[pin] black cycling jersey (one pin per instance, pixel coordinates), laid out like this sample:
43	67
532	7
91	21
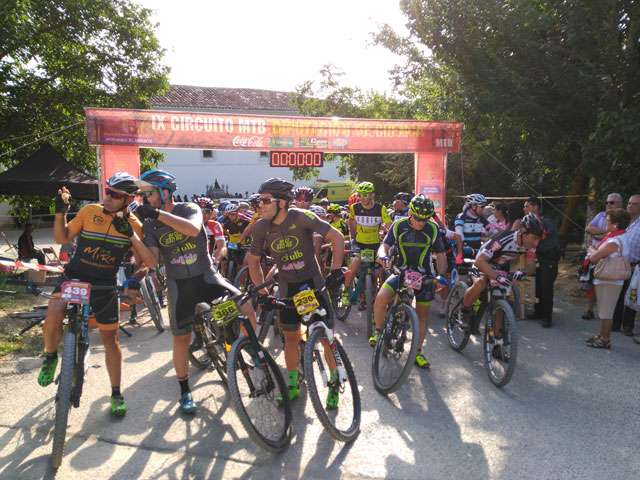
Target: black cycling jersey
414	246
503	248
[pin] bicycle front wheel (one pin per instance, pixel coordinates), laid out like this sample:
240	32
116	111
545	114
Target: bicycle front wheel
342	422
368	298
500	345
340	310
255	395
150	297
243	282
63	399
396	349
456	336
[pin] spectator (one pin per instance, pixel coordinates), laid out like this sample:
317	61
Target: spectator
547	254
625	317
597	228
515	213
26	248
615	243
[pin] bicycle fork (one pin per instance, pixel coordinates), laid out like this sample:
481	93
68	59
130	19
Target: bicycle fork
342	374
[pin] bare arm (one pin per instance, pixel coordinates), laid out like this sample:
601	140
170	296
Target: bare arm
604	251
530	265
246	233
352	228
187	226
255	271
337	245
220	250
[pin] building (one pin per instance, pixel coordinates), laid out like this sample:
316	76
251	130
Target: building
227	172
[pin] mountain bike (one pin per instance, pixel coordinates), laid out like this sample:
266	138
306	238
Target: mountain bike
343	422
500	344
396	348
152	301
365	288
255	391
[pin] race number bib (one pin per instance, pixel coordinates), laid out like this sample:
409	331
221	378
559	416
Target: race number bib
305	301
224	312
367	255
76	292
413	279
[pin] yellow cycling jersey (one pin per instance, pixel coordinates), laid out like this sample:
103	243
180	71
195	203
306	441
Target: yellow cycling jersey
368	221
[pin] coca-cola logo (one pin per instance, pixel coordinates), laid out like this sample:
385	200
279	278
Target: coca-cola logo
253	141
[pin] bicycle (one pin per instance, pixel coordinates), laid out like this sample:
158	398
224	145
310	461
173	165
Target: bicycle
152	301
396	348
500	351
367	275
256	391
343	422
75	354
234	258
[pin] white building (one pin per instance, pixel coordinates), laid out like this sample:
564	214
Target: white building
241	171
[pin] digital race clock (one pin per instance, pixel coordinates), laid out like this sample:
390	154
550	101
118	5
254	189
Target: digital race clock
296	159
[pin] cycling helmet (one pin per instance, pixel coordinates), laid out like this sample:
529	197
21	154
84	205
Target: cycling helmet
422	207
364	188
277	187
231	208
402	196
158	178
123	182
335	209
254	199
303	193
204	202
318	210
353	198
476	199
323	202
532	223
221	207
243	206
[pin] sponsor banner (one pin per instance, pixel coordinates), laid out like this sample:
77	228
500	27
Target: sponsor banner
429	190
430	173
170	129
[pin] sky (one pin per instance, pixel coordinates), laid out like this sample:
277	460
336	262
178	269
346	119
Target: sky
274	44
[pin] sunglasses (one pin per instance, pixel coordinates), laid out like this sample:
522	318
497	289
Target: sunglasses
206	210
303	199
267	201
363	195
114	195
421	220
147	193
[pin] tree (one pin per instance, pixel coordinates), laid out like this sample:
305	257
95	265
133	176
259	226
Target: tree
59	56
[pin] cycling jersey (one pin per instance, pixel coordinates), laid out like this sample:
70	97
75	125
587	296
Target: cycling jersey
254	218
503	248
470	228
236	228
414	246
368	221
291	245
400	214
100	248
214	232
342	227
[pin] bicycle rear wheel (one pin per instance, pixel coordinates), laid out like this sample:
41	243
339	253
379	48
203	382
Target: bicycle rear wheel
456	336
255	392
243	281
343	422
396	349
340	310
501	353
368	298
151	301
63	399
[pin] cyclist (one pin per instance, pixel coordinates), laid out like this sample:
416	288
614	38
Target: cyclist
335	220
496	254
176	231
303	196
471	224
234	225
217	245
415	238
288	233
103	239
324	203
365	219
400	206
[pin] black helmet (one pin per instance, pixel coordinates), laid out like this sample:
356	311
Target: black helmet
123	182
422	207
278	187
532	223
303	193
402	196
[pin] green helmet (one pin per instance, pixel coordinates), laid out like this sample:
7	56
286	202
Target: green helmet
365	188
334	208
422	207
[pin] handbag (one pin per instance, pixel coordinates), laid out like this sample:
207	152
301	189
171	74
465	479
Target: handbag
631	297
613	268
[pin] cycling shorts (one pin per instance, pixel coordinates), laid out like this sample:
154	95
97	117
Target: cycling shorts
185	294
103	303
423	297
290	319
357	247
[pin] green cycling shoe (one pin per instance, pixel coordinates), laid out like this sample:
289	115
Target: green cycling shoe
294	392
118	407
421	361
47	372
374	338
346	297
333	396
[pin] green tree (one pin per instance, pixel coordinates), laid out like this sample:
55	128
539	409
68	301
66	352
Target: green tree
57	57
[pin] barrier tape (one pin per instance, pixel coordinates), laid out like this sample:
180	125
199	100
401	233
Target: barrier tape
11	265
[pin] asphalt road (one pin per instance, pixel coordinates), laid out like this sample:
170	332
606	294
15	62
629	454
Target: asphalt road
569	412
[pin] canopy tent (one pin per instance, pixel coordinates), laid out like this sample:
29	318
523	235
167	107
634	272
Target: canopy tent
43	173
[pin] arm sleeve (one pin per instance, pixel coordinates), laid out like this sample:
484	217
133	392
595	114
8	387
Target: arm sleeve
148	237
386	218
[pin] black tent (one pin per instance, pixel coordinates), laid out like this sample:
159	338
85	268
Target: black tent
43	173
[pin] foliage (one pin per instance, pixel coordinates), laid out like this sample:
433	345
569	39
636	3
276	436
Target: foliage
57	57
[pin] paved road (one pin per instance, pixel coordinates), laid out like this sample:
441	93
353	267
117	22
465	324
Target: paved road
569	412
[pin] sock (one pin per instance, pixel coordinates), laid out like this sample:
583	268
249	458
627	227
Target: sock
465	309
52	356
293	378
184	385
115	391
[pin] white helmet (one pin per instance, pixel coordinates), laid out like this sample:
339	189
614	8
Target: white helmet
231	208
476	199
318	210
